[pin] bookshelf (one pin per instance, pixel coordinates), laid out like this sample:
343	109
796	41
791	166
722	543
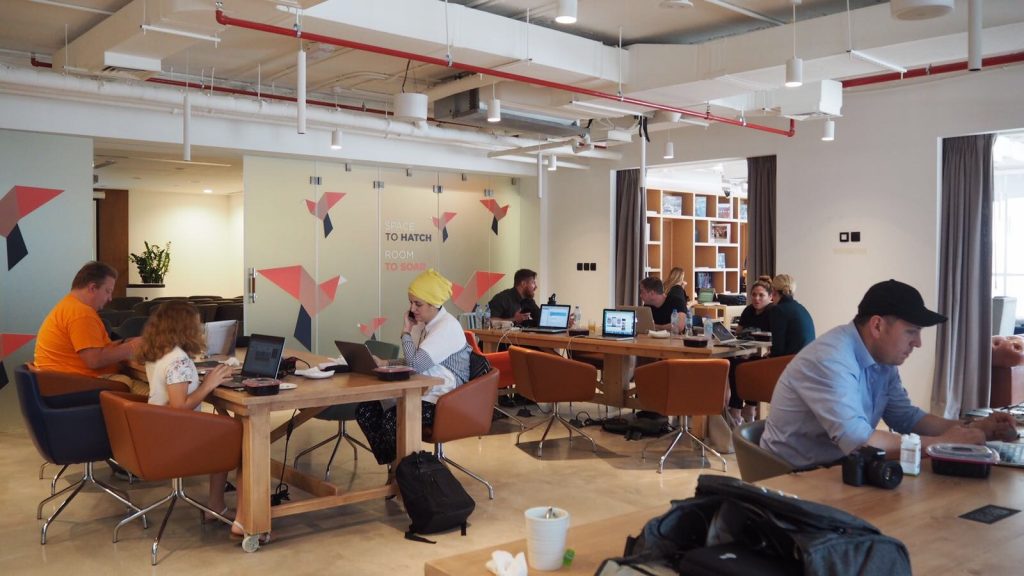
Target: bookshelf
703	233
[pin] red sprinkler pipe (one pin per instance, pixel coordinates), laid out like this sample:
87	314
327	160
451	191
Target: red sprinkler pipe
1013	58
298	33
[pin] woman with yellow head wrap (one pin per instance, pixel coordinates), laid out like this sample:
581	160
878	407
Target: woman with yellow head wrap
433	344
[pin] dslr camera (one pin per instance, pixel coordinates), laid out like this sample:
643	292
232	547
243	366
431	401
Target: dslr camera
867	465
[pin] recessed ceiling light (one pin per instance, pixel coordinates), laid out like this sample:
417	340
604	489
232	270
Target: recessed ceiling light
207	190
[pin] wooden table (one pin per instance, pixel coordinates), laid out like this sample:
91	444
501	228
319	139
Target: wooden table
618	363
923	513
311	397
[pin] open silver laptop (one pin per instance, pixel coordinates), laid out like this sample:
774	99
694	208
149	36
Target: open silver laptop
724	337
220	337
644	317
554	318
618	324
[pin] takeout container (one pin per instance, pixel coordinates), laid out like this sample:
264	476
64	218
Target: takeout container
262	386
393	373
968	460
695	341
761	336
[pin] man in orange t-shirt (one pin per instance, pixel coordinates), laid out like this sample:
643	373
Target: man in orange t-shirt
73	338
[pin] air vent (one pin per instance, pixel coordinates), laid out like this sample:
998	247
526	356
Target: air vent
467	108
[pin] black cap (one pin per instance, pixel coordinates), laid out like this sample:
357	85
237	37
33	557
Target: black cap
894	298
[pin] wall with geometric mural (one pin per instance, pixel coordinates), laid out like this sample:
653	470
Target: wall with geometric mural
46	234
336	245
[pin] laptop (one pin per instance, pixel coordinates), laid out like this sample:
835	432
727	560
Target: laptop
706	296
262	359
618	324
220	337
724	337
357	356
554	318
644	317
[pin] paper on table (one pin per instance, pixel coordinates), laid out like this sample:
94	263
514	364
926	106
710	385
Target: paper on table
503	563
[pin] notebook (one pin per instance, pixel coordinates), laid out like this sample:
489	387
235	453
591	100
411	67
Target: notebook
262	359
357	356
618	324
644	317
220	337
554	318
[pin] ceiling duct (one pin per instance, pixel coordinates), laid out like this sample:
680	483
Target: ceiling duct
469	108
120	46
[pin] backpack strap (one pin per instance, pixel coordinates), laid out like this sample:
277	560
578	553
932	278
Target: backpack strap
410	535
464	528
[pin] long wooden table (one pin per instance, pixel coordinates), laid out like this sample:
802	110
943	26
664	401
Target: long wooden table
923	512
618	363
311	396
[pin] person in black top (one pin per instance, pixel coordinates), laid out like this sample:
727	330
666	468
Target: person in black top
677	285
517	303
652	293
791	324
754	317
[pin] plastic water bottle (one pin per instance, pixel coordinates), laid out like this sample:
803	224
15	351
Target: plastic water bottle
707	328
675	322
486	320
689	324
910	454
577	317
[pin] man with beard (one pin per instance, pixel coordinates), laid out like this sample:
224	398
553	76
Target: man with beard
517	303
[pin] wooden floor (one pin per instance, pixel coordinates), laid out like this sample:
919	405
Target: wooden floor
365	539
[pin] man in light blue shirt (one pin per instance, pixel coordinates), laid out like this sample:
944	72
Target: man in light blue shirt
831	397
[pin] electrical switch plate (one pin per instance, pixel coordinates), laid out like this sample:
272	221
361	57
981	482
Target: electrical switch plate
593	266
844	236
854	236
579	266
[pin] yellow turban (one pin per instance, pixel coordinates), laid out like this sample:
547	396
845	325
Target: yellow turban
431	287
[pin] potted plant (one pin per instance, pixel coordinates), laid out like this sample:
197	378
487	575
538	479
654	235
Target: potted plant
153	263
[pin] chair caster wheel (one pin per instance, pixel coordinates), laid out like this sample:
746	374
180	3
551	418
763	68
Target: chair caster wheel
251	543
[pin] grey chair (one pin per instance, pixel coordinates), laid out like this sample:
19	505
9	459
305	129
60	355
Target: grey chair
132	326
207	312
124	302
114	317
755	462
339	413
229	312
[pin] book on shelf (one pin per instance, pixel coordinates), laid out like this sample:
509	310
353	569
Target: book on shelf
725	209
721	260
672	205
703	280
700	206
743	211
720	232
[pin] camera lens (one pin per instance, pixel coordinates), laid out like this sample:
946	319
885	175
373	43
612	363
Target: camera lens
884	474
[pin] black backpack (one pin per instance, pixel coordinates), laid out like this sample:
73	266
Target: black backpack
433	498
761	532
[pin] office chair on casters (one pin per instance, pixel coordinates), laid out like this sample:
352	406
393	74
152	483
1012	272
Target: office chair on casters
463	413
683	388
545	377
67	429
755	462
203	444
339	413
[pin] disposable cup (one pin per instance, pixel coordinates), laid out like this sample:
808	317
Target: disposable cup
545	537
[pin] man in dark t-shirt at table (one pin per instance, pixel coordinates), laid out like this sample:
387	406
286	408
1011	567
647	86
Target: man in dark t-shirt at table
517	303
652	293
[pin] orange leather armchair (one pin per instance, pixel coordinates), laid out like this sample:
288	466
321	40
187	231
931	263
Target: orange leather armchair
164	443
501	362
683	388
550	378
756	379
463	413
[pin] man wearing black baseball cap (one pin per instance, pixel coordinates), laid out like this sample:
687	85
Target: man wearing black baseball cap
831	397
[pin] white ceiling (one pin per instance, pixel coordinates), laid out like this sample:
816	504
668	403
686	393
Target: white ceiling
682	57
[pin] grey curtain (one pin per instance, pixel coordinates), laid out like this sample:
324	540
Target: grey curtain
963	358
761	193
630	207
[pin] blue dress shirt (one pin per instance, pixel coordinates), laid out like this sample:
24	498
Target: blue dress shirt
830	399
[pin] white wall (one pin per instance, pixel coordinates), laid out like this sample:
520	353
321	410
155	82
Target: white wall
879	177
205	234
59	236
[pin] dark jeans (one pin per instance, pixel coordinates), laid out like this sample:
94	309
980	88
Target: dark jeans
380	427
734	399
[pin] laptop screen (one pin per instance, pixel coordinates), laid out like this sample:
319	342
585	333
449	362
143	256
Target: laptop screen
722	334
263	357
554	316
220	337
706	296
619	323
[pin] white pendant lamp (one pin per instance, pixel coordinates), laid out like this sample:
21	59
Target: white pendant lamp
336	139
493	108
566	12
300	92
670	150
794	66
552	163
828	133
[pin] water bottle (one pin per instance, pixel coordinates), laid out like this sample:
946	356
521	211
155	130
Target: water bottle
707	328
689	324
486	320
675	322
577	317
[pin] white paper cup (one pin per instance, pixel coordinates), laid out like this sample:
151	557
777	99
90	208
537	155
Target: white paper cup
545	537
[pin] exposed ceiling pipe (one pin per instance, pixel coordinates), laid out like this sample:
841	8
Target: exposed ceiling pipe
300	92
974	22
68	86
1014	58
226	20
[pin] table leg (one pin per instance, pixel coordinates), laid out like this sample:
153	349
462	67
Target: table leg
254	495
615	375
410	423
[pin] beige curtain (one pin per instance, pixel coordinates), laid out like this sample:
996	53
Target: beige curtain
761	217
630	207
963	359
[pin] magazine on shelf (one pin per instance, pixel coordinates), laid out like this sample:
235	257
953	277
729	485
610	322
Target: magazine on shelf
700	206
725	209
721	260
703	280
672	205
720	232
743	211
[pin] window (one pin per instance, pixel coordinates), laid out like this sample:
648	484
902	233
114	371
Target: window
1007	210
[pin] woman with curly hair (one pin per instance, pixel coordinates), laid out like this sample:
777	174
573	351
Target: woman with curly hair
172	336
